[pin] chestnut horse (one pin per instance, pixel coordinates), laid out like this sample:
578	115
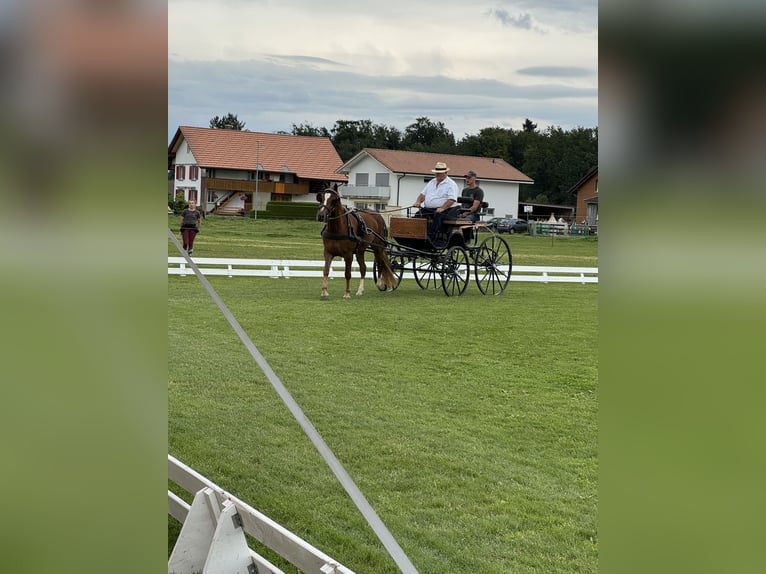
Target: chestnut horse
349	232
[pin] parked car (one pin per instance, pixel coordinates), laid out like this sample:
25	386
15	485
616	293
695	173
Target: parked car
511	225
491	223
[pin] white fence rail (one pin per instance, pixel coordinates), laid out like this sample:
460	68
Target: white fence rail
286	268
212	542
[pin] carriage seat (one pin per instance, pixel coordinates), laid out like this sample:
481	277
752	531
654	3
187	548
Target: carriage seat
465	202
451	213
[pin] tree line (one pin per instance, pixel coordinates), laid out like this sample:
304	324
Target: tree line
554	158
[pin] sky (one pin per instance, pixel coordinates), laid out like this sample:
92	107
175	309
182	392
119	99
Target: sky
470	65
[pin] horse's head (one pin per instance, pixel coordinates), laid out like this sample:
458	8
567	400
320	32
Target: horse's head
329	202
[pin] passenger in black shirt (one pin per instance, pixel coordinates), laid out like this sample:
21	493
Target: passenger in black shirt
476	193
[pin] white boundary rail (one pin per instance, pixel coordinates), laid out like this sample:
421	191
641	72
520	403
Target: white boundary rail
286	268
196	545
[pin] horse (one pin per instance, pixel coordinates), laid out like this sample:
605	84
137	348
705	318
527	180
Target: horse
349	232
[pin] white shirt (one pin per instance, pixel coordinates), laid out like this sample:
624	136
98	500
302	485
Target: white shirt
436	194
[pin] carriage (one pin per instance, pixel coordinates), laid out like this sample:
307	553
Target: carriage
446	260
449	259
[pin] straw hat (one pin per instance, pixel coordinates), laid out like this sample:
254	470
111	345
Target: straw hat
441	167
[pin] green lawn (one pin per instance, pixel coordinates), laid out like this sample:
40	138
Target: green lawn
469	423
280	239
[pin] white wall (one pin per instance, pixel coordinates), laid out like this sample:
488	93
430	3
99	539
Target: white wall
369	166
185	158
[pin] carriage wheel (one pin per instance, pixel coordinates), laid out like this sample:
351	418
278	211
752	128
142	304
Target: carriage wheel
456	271
493	265
398	263
427	273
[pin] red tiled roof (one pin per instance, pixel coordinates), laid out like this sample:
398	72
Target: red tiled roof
422	163
306	156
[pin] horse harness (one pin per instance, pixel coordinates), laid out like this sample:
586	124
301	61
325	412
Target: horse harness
364	230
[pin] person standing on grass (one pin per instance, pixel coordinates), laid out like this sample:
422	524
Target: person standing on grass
191	219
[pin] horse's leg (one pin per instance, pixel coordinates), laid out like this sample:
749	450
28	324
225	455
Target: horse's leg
349	259
325	273
384	269
362	271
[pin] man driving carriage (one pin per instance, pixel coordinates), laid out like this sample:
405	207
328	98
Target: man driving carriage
438	197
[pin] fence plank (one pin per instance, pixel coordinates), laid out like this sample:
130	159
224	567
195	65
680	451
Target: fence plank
286	268
272	535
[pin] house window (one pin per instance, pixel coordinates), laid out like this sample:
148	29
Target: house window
193	172
362	179
381	179
180	172
371	206
193	195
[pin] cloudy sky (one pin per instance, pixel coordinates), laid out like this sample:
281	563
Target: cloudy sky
275	63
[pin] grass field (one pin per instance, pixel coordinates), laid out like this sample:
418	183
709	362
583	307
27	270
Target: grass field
279	239
469	423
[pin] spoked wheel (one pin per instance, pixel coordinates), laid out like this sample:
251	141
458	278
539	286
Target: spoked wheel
493	265
427	273
398	262
456	271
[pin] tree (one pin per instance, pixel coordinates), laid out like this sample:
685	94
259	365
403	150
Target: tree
556	160
351	136
489	142
425	135
309	130
227	122
529	126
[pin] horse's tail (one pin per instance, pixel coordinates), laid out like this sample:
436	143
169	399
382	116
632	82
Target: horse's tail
386	277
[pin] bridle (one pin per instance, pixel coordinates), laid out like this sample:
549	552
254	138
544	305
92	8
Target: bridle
348	213
330	216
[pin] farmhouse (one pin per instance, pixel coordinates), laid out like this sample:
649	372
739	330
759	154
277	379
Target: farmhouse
386	179
587	198
231	171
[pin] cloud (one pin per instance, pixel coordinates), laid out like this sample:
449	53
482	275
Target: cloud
270	96
391	63
556	71
523	21
302	60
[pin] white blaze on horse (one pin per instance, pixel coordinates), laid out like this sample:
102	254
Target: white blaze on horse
349	232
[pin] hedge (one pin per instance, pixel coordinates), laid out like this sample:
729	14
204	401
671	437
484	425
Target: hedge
288	210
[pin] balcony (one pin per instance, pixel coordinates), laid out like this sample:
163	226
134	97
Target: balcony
366	192
248	186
